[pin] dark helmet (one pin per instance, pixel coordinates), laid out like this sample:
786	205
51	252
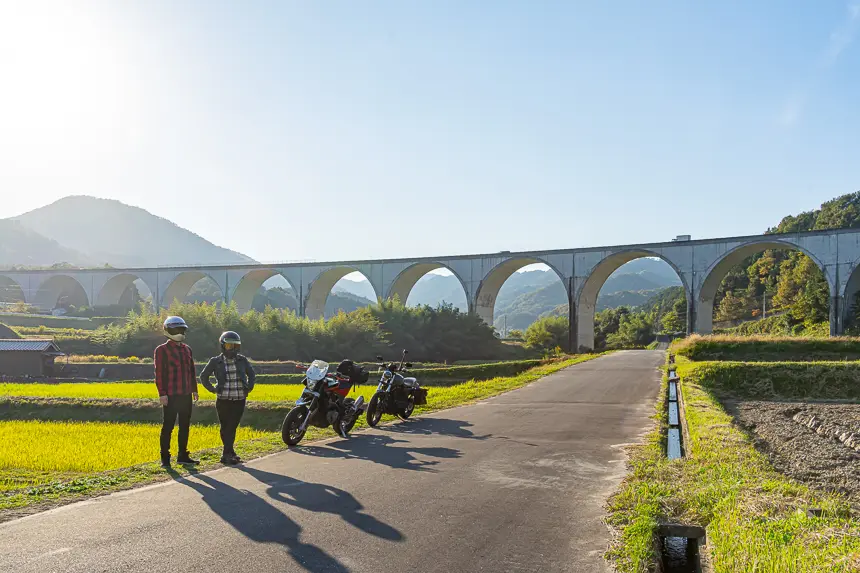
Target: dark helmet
231	343
175	328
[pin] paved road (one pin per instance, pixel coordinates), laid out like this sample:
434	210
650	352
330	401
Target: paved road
511	484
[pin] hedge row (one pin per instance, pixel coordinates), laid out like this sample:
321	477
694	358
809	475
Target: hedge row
767	349
13	319
777	380
435	376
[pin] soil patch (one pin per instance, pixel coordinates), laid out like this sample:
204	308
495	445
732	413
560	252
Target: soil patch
821	461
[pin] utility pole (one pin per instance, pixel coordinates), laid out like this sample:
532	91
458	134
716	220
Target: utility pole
505	328
764	305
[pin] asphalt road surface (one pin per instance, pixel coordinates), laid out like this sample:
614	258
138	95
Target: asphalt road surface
515	483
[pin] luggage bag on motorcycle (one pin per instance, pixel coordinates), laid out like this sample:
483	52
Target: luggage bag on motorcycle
355	373
420	396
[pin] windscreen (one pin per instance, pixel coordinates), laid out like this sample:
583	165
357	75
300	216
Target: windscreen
317	370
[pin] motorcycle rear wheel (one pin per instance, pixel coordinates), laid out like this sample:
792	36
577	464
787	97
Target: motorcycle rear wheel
374	411
290	432
348	426
410	407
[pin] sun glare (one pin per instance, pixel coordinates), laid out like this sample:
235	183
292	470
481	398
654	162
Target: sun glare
65	89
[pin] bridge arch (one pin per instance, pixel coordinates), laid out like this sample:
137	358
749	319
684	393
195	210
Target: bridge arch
57	290
409	277
182	284
718	270
112	291
249	285
850	294
320	289
10	290
586	302
488	289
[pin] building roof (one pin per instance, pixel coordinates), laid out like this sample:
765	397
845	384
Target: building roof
31	345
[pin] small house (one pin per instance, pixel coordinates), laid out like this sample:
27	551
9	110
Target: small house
23	357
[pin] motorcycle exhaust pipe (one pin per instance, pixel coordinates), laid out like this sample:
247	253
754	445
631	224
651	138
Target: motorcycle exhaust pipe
359	404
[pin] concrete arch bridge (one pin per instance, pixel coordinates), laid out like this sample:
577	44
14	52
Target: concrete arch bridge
700	264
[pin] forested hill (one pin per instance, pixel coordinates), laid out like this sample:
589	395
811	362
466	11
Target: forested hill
784	282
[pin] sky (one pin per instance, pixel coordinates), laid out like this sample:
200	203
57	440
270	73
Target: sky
427	128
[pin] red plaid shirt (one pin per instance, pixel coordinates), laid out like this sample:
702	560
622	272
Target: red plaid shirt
174	369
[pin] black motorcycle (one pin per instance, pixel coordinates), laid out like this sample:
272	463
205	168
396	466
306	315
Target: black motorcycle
324	401
397	393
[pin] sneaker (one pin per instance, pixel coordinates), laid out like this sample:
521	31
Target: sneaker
186	459
165	462
235	459
228	460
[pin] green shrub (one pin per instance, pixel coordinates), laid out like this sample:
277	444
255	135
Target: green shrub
781	325
430	334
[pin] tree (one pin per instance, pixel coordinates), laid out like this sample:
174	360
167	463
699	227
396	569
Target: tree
676	319
732	307
547	333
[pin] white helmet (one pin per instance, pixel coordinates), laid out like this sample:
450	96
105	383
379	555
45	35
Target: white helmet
175	328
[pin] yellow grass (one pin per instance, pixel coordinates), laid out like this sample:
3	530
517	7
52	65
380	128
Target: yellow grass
92	446
147	390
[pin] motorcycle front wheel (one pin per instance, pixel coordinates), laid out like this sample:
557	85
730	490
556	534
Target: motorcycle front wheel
290	432
374	411
410	407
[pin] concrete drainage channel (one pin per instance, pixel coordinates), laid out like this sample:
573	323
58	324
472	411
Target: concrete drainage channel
678	543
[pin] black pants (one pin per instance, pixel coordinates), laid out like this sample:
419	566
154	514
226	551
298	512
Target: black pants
177	407
229	415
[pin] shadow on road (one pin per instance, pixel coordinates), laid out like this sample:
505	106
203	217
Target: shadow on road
259	521
319	497
437	426
381	449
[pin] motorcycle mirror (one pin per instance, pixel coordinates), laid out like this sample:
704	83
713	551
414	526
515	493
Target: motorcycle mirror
405	351
379	358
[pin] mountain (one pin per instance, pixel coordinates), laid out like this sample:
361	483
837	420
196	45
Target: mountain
433	289
282	298
524	301
631	298
632	282
21	246
108	231
524	309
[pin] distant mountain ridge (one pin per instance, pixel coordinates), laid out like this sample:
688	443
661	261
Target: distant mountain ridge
21	246
106	231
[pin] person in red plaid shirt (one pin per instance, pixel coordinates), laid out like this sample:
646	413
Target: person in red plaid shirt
176	381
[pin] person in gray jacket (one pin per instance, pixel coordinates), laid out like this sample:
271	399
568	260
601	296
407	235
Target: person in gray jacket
234	379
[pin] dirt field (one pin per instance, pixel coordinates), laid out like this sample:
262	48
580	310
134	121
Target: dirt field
824	462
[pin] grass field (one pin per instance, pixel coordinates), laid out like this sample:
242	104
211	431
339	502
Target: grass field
767	348
755	517
46	448
115	455
147	391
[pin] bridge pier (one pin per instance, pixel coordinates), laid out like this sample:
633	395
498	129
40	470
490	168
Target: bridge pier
837	313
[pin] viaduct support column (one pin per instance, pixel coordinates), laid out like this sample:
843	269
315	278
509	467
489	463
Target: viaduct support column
836	315
691	315
572	324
